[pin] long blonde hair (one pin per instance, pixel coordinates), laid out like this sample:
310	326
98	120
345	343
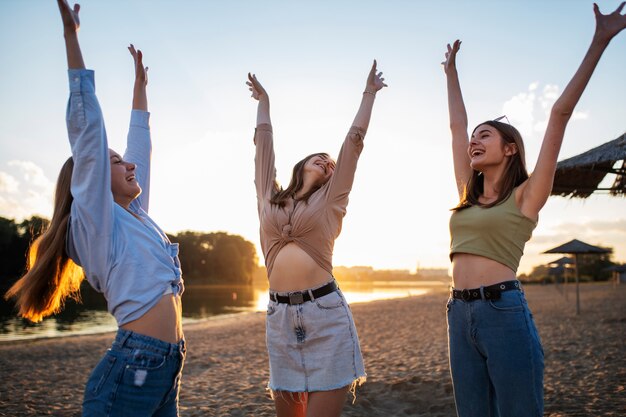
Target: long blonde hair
51	276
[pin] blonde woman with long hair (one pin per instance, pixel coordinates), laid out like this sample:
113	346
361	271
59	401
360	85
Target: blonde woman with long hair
101	230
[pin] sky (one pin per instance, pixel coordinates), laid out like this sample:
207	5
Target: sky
313	58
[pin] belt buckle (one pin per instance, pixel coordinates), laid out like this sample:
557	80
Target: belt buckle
296	298
465	295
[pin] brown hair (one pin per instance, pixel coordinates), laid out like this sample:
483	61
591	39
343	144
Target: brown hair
296	183
515	171
51	276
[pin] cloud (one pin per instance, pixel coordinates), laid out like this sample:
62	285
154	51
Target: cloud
33	174
8	184
520	110
529	110
26	191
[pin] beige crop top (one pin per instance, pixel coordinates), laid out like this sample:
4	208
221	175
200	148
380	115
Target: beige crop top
499	232
313	225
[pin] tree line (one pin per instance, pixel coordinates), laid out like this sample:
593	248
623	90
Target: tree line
206	258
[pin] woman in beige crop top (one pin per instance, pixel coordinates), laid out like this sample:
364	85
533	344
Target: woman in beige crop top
496	359
312	343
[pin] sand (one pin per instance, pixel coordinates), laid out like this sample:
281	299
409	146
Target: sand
404	345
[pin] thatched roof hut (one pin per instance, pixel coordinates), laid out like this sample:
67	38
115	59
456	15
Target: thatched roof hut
562	262
579	176
576	246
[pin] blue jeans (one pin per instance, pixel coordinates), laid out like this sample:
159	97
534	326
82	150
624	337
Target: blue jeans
496	359
138	376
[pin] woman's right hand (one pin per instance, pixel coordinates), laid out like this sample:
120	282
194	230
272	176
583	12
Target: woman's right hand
450	63
69	16
258	92
141	72
609	25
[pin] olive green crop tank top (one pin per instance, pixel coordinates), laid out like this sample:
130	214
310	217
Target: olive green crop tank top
499	232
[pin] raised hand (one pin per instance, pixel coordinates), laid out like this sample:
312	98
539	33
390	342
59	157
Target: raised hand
609	25
258	92
141	72
375	81
69	16
450	62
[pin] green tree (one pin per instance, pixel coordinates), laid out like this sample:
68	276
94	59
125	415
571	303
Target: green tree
216	258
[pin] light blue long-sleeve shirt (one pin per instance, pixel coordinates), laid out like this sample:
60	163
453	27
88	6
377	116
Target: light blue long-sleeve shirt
129	259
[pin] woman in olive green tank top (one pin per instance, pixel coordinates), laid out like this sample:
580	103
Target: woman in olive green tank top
496	359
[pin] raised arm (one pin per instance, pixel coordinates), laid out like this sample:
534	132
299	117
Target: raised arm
538	186
139	144
458	119
340	184
374	83
259	94
140	98
264	159
71	25
91	222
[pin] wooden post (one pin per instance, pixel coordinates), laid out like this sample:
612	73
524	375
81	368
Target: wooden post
577	285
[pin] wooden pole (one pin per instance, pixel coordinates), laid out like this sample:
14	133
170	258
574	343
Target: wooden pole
577	285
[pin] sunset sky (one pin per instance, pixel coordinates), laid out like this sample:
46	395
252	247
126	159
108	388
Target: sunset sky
313	58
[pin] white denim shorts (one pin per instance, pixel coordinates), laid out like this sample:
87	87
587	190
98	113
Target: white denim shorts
313	346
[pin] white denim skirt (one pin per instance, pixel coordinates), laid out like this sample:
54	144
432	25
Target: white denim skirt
313	346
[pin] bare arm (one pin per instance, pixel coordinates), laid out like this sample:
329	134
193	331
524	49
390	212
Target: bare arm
458	119
139	142
71	25
538	187
140	98
374	83
259	94
341	181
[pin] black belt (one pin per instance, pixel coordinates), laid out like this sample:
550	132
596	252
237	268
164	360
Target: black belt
300	297
491	292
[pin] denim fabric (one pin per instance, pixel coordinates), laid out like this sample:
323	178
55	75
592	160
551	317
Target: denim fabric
313	346
138	377
496	359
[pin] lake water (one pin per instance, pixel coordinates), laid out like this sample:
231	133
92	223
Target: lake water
199	303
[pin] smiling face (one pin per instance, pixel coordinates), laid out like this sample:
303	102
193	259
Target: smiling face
124	185
487	148
318	169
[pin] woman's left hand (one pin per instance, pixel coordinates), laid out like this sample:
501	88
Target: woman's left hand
375	80
609	25
141	72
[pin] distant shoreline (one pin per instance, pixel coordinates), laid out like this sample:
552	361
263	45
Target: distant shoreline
191	320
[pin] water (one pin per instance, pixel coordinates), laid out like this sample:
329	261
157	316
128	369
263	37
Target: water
199	303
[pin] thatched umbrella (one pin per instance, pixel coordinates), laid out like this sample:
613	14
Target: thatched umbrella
617	270
579	176
576	247
562	262
559	267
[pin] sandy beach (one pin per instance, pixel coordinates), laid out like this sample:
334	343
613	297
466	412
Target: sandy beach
404	345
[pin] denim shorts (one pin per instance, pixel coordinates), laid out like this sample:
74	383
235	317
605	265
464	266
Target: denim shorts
138	376
496	358
313	346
